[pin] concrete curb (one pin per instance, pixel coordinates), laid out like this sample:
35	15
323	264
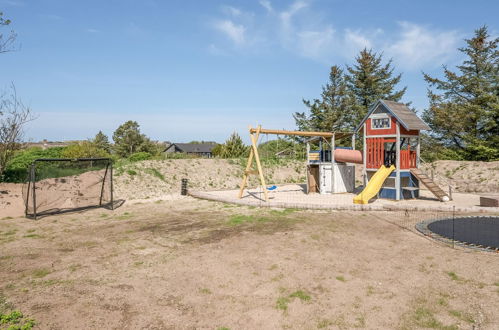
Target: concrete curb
340	207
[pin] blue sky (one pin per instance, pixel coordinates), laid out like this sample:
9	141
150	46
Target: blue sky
199	70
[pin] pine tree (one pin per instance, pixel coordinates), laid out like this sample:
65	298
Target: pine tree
332	112
464	105
370	80
234	147
101	141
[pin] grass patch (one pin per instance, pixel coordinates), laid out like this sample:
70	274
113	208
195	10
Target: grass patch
322	324
467	317
74	268
124	216
42	272
273	267
424	318
341	278
282	302
154	172
205	291
15	320
131	172
7	218
282	212
239	219
453	276
300	295
33	236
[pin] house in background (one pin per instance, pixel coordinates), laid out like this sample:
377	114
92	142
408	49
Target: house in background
197	149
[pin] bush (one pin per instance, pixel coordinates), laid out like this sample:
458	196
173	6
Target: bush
138	156
84	149
17	167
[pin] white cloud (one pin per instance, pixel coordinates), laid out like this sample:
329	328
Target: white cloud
233	31
267	5
287	15
316	44
232	11
301	29
417	46
90	30
214	50
356	41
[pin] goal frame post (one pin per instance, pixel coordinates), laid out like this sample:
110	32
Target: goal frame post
32	179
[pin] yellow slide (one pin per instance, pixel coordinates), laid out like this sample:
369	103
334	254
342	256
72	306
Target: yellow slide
374	185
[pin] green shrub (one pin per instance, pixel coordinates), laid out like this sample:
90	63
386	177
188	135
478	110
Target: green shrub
17	168
138	156
84	149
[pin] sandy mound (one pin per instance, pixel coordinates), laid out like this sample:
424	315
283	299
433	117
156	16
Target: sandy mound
154	178
157	178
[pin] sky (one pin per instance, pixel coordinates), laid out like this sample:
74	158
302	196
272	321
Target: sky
200	70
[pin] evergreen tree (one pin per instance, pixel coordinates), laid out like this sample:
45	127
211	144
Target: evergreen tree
101	141
234	147
332	112
128	140
464	105
370	80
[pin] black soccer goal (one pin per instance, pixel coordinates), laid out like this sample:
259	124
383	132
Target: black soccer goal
58	185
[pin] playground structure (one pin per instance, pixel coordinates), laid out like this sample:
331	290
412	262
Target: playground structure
391	154
325	173
391	157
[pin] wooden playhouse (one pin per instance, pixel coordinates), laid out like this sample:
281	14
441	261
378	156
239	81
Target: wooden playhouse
391	138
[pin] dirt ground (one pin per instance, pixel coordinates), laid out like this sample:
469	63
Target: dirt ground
192	264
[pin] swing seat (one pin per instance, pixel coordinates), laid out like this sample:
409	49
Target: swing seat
272	188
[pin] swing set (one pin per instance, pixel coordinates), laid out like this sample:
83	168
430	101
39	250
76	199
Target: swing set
254	156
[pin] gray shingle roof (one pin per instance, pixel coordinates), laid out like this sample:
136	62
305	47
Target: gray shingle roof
402	113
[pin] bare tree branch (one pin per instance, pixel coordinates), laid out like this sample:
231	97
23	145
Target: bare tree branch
7	41
14	116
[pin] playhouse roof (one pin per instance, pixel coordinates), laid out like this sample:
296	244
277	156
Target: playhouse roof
401	112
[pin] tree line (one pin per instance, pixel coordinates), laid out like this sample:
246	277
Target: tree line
463	110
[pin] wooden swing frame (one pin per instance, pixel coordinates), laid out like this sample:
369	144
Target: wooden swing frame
253	155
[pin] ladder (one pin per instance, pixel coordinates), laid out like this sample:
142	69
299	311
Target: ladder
430	184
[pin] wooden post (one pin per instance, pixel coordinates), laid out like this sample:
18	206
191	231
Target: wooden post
397	161
248	165
258	164
308	167
333	145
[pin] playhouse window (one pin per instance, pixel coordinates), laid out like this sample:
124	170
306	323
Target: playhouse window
380	123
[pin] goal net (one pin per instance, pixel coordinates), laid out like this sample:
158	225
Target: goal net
63	185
